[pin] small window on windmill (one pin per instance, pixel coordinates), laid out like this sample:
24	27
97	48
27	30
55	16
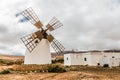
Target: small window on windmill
67	58
36	41
85	59
113	56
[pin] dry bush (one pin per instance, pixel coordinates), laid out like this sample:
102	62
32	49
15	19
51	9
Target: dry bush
5	72
19	61
58	59
56	68
11	62
6	62
39	68
27	68
93	69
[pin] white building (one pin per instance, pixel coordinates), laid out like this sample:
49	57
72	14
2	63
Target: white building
73	59
92	58
112	59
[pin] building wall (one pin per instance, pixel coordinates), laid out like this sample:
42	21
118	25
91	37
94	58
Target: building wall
40	55
95	59
114	62
73	59
67	59
112	59
92	59
76	59
86	58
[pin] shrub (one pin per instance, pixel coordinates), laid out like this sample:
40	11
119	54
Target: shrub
7	62
56	68
106	65
61	60
39	68
19	62
11	62
5	72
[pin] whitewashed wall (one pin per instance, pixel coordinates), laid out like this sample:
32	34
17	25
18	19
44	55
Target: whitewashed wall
95	58
92	59
67	59
40	55
112	59
88	58
73	59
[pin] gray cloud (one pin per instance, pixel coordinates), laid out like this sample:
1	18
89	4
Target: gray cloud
88	24
3	28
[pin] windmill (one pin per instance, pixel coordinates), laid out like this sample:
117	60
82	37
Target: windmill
37	43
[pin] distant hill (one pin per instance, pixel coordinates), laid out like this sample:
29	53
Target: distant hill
11	57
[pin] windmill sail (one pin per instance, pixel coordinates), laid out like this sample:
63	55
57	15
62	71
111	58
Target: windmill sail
30	41
37	43
57	46
50	38
31	15
54	24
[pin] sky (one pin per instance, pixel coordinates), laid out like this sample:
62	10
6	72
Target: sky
87	24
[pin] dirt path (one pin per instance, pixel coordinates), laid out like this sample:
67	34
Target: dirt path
55	76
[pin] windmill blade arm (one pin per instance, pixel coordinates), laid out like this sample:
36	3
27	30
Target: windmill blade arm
38	34
50	38
53	24
57	46
32	17
30	42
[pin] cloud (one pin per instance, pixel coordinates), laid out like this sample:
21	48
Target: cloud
88	24
3	28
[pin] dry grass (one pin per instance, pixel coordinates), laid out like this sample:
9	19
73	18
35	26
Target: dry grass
95	73
18	71
74	73
11	62
39	68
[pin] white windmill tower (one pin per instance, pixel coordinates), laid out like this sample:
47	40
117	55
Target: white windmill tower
37	43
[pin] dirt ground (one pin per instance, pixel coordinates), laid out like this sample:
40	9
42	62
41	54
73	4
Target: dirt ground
84	73
72	75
